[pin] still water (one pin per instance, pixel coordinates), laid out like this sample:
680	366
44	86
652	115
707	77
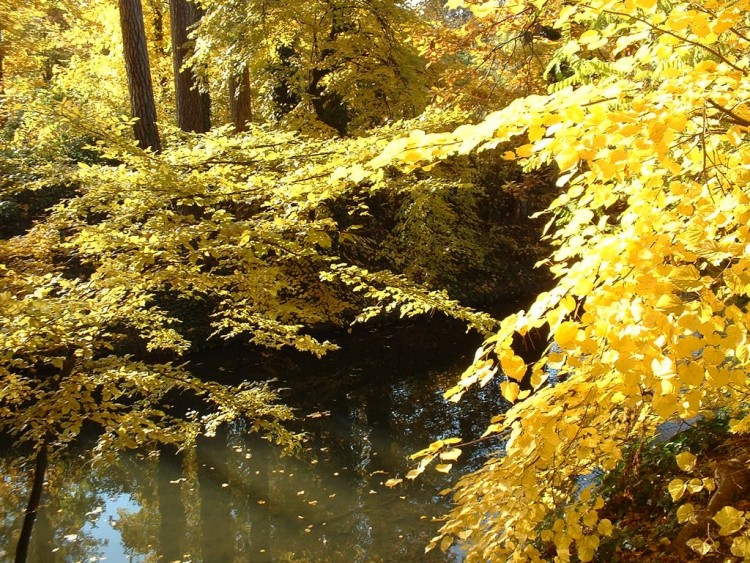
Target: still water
235	498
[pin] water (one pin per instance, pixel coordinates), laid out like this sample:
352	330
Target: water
235	498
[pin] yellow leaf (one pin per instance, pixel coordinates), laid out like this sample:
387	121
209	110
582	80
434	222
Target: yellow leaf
510	390
676	489
566	335
590	518
585	554
730	520
677	122
699	546
741	547
663	367
513	366
536	132
686	278
605	527
393	482
412	156
669	303
664	405
414	473
691	374
567	158
525	151
686	513
588	36
443	467
685	461
451	455
694	486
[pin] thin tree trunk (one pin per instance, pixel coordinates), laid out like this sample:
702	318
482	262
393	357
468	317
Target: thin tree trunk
138	69
240	103
22	549
2	80
2	59
217	525
172	521
193	107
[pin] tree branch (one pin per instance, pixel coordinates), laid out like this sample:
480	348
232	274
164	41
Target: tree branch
736	118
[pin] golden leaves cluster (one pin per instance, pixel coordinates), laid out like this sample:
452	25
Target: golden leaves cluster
648	320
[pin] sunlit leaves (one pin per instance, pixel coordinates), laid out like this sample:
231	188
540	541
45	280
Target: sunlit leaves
356	53
233	227
513	365
701	547
741	547
685	461
730	520
651	241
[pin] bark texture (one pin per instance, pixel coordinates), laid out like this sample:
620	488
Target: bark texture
240	104
139	74
193	107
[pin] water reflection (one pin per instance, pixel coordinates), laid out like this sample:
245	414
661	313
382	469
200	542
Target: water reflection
234	498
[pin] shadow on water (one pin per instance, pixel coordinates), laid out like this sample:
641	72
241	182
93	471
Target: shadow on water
365	409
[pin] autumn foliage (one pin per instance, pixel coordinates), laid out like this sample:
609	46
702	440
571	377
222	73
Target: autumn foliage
648	318
638	107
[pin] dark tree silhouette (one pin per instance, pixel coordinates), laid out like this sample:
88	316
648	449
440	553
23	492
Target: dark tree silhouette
193	106
139	74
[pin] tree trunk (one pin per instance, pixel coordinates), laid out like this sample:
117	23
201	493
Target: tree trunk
330	107
193	107
22	549
173	521
240	104
2	58
218	535
2	81
141	90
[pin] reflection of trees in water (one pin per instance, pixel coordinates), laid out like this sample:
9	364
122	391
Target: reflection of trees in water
69	495
249	487
172	518
329	504
134	475
12	493
217	524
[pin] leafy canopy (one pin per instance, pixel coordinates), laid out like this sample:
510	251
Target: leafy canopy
648	319
251	237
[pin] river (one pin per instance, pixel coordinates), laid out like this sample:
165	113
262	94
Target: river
365	409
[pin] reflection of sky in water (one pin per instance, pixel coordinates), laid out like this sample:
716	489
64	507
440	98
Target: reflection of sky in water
112	548
244	502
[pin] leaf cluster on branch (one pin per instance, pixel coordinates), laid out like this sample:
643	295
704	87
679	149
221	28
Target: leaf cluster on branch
648	319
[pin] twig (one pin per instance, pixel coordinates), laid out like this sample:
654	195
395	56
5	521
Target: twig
737	119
